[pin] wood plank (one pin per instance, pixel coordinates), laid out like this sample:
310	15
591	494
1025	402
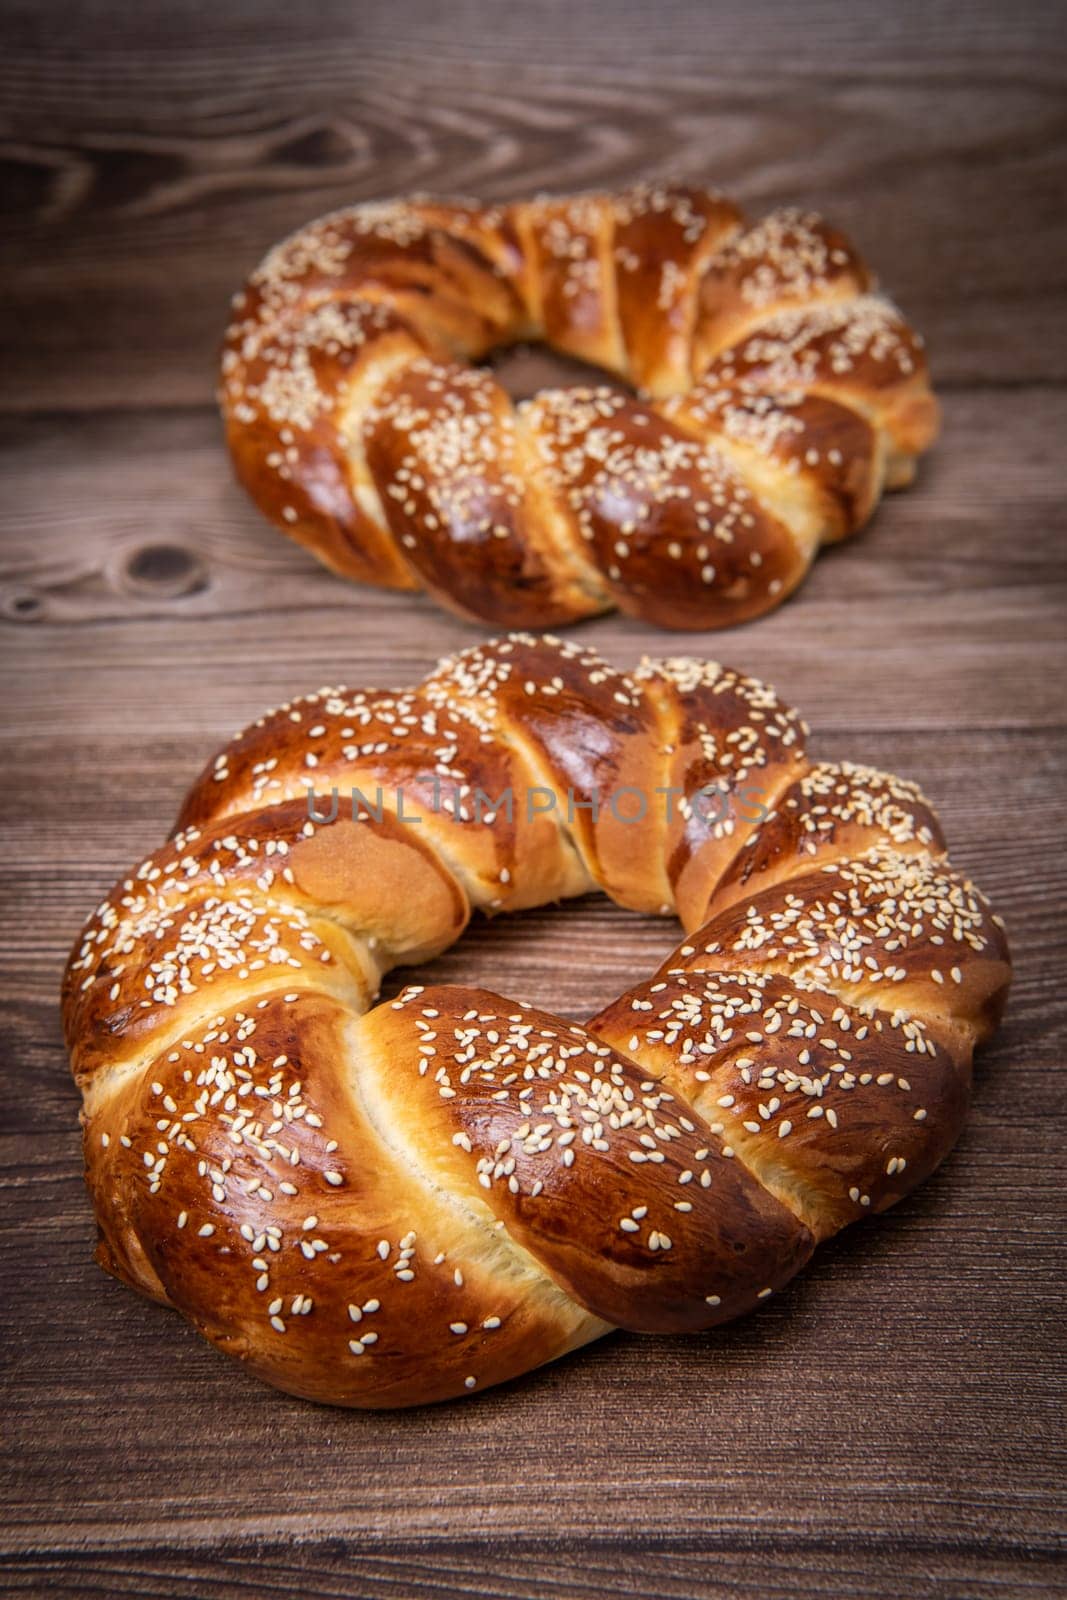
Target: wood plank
526	1570
933	136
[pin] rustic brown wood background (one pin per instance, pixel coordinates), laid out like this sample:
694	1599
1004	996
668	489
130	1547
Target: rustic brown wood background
890	1426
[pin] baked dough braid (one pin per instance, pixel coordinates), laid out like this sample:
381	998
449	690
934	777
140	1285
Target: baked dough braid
392	1204
777	396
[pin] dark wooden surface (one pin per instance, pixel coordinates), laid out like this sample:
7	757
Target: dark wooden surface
893	1424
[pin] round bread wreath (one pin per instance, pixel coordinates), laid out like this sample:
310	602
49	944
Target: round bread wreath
393	1204
778	395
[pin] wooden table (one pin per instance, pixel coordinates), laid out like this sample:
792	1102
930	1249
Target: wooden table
889	1426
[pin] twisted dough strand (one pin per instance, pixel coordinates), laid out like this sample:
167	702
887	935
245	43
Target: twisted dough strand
390	1205
780	396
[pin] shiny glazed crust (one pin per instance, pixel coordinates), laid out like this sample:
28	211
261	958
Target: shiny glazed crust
394	1204
776	396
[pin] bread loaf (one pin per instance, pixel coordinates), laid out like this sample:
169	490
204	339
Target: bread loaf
382	1205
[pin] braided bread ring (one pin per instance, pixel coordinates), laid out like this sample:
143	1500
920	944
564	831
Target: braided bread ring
782	396
389	1206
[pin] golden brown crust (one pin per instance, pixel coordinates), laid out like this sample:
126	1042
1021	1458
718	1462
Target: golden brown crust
858	351
275	1215
815	465
901	931
672	527
286	429
789	258
444	442
665	240
835	1110
569	1145
387	1205
829	812
354	430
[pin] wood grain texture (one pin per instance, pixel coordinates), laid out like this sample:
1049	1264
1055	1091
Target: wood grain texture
891	1424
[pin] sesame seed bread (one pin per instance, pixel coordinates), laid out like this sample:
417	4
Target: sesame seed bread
776	396
394	1204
